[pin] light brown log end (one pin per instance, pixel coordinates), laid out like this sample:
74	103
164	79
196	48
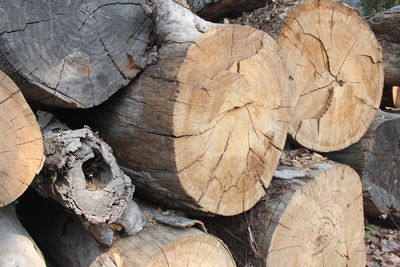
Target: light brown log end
230	114
336	63
21	144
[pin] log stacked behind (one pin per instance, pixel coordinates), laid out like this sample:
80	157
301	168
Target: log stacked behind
376	158
386	26
215	10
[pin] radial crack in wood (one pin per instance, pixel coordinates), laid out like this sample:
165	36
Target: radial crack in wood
336	65
308	217
204	126
73	53
21	146
329	47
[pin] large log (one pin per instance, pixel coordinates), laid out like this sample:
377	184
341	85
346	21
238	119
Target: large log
16	246
81	173
375	157
73	53
336	64
308	217
218	9
21	143
204	127
67	243
386	26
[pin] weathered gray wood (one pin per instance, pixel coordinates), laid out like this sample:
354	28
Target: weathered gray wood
81	173
386	26
73	53
375	157
219	9
16	246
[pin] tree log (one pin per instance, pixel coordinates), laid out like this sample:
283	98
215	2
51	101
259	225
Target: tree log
16	246
309	217
204	127
386	26
67	243
375	158
73	53
336	64
214	10
21	145
81	173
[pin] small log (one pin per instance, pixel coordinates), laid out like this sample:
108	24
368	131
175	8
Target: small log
21	145
67	243
336	64
386	26
375	158
309	217
16	246
215	10
73	53
81	173
201	128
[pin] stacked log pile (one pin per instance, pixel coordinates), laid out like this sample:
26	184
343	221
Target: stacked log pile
195	118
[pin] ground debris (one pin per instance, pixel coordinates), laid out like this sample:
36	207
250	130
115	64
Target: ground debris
382	246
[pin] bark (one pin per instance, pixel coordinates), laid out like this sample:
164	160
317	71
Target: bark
215	10
336	65
16	246
21	143
386	26
308	217
67	243
81	173
73	53
375	158
180	129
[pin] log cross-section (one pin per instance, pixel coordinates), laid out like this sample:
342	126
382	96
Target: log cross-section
336	63
308	217
73	53
21	143
205	126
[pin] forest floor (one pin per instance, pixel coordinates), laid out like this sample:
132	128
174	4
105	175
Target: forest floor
382	246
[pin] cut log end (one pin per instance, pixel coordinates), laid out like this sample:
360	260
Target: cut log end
336	63
231	108
74	53
322	222
21	146
308	217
